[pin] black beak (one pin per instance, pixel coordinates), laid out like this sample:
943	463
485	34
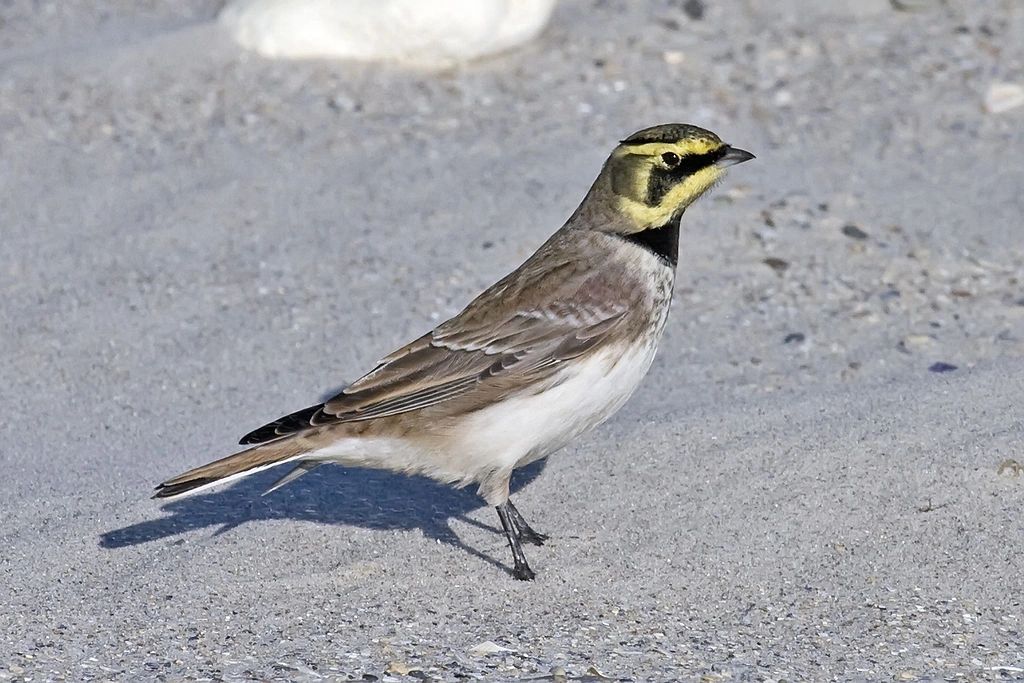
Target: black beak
733	156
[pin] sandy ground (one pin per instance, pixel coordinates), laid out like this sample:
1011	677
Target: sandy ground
195	241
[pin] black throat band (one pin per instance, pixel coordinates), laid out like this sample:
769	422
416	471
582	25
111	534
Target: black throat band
662	241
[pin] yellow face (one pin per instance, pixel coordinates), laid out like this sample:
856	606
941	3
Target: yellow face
657	172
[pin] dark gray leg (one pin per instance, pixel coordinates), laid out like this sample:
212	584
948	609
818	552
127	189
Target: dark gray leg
523	530
520	569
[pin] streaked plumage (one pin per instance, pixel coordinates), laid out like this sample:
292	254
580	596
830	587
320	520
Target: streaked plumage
548	352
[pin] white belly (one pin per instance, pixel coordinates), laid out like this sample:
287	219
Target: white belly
525	428
512	432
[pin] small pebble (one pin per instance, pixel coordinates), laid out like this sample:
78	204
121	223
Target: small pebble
889	294
1011	466
853	232
343	103
673	57
778	265
400	668
1002	97
941	367
488	647
694	9
909	5
917	341
794	338
782	98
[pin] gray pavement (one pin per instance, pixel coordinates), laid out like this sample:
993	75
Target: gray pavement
194	241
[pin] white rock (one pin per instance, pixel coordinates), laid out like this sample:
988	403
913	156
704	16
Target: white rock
783	98
1002	97
673	56
488	647
431	33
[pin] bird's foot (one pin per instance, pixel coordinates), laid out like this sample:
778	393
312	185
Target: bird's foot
522	572
513	532
528	535
523	530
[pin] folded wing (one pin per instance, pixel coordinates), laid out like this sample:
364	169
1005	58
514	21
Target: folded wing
499	337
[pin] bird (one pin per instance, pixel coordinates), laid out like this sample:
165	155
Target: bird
547	353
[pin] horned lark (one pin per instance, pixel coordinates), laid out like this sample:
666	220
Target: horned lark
550	351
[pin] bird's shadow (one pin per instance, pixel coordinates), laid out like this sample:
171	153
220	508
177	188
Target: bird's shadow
372	499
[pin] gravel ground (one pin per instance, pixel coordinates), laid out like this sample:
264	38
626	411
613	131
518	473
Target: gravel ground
813	484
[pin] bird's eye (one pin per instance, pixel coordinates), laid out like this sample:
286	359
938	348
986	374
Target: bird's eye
671	159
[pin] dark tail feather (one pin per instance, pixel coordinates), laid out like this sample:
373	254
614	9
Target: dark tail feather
166	490
232	467
289	424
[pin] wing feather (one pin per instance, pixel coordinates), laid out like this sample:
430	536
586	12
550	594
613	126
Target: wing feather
502	334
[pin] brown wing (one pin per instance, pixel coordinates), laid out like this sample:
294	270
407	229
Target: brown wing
522	327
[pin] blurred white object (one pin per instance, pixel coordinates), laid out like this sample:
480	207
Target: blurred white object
423	32
1002	97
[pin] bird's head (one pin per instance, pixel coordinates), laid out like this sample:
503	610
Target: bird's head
655	173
